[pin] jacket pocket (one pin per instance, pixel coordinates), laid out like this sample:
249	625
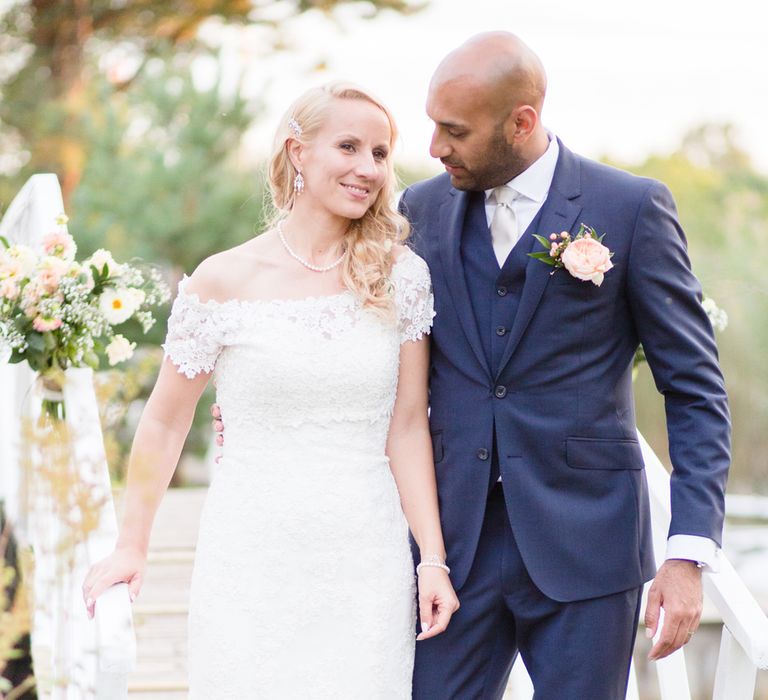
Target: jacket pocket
437	446
603	453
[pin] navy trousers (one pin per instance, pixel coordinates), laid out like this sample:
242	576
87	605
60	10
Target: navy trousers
573	651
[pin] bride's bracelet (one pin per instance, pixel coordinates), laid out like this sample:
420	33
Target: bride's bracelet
435	561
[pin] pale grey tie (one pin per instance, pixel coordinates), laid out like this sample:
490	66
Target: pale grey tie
504	230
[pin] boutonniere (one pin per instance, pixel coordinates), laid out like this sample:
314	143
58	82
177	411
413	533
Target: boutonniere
584	256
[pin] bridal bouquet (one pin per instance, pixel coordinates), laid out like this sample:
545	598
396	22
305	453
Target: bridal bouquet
56	312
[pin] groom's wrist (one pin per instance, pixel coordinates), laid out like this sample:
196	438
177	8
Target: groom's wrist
700	550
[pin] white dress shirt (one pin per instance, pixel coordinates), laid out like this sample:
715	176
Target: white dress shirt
533	187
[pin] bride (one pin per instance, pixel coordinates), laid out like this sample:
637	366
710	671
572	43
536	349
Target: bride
316	332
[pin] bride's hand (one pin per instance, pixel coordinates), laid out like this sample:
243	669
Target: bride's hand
437	601
124	565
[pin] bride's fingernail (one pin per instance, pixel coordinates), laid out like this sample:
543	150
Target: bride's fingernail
425	627
89	602
133	597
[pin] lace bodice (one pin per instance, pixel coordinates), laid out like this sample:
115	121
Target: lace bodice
318	350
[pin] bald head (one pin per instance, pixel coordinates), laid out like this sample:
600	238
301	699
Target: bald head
485	100
499	65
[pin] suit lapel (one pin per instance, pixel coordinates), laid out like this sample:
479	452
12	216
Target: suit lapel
451	222
559	213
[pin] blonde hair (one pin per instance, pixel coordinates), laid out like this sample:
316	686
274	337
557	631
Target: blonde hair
370	239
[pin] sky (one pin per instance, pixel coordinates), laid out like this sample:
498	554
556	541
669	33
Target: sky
625	79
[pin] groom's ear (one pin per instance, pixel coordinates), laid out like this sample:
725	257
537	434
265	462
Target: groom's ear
520	124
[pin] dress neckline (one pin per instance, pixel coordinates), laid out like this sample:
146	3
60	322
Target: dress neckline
312	299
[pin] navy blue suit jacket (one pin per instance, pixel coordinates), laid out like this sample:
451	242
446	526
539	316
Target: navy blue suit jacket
560	405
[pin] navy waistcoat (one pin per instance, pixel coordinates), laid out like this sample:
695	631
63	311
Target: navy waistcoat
494	293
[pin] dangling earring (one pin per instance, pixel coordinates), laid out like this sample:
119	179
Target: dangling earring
298	183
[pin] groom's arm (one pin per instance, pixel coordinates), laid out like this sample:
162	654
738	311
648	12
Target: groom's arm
680	347
679	344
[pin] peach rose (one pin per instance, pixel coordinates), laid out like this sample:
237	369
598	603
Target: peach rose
587	259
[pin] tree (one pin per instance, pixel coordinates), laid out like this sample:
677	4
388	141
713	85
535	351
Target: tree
162	182
53	48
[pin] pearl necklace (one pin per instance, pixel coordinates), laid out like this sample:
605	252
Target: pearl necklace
298	258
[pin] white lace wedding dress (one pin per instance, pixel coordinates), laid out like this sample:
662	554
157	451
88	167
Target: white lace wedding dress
303	584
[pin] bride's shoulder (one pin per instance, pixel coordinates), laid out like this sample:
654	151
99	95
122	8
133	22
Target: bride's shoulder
407	263
222	275
209	282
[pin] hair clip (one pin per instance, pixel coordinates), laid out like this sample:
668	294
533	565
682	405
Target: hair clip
295	127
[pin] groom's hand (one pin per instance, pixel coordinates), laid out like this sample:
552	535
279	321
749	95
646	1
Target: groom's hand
677	589
218	426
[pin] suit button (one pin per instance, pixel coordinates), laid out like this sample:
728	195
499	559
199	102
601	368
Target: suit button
500	330
500	391
501	291
482	453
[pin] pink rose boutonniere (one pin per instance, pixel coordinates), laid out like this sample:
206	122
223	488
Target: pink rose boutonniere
584	256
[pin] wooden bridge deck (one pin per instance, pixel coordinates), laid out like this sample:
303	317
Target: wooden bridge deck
160	611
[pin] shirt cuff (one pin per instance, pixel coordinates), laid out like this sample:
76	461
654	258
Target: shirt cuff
702	550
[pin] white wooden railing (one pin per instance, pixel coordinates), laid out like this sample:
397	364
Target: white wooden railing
74	658
744	641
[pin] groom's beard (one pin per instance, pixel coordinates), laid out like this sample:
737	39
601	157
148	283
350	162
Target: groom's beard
492	165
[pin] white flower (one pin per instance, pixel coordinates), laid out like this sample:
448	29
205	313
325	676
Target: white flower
119	350
6	345
717	316
18	261
103	257
120	304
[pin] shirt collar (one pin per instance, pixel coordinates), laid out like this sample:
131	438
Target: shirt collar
534	182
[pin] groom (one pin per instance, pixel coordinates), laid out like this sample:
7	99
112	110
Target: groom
543	498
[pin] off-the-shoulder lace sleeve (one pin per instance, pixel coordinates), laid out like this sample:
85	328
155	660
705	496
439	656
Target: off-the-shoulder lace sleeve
413	296
194	338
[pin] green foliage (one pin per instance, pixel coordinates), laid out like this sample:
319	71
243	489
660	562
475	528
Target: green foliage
161	183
